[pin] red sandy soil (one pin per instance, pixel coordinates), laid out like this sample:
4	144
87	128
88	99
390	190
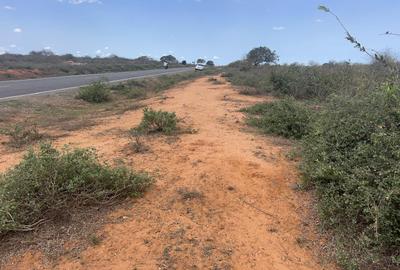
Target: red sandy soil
243	212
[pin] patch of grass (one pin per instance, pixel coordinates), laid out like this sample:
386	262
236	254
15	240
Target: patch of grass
285	117
22	134
94	240
158	121
97	92
49	183
187	194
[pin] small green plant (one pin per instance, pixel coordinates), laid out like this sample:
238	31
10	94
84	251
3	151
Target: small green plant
97	92
158	121
94	240
22	134
137	143
189	194
49	183
285	117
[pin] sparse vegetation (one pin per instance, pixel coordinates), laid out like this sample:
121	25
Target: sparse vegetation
189	194
97	92
158	121
45	63
215	81
49	183
22	134
137	143
285	117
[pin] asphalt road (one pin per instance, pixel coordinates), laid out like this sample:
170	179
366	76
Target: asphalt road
30	87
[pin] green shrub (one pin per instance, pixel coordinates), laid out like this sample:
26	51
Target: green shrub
285	117
22	134
136	93
97	92
312	81
158	121
48	183
352	157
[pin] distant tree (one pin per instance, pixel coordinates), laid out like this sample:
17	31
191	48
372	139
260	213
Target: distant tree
144	59
201	61
68	56
42	53
262	55
210	63
169	59
184	62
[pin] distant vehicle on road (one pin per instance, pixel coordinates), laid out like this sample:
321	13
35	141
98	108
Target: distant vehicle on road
165	65
200	67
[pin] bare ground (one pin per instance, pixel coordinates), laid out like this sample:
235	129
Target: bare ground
224	196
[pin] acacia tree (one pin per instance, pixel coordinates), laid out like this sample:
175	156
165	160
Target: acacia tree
201	61
262	55
210	63
169	59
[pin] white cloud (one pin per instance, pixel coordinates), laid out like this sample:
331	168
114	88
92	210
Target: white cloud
17	30
318	20
13	46
216	57
278	28
2	51
106	48
78	2
98	52
9	7
48	48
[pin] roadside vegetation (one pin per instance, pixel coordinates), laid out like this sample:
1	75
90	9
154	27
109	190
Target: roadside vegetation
346	119
21	134
45	63
66	113
48	184
157	121
97	92
285	117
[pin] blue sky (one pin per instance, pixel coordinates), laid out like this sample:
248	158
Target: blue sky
223	30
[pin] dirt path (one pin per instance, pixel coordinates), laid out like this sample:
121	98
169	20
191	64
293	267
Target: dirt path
222	200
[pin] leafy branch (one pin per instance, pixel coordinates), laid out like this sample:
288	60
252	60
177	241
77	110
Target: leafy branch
394	69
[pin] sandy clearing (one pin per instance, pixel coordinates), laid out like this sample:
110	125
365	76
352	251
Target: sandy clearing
246	215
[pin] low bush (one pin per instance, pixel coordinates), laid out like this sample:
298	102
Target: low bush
97	92
352	157
22	134
136	93
158	121
137	144
285	117
49	183
311	81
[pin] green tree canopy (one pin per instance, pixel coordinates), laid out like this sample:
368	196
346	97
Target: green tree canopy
210	63
169	59
262	55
